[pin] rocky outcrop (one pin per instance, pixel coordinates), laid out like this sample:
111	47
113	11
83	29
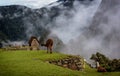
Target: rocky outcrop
72	62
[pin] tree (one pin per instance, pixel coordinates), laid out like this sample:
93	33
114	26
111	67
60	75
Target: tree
109	65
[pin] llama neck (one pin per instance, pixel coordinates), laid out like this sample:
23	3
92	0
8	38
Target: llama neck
97	64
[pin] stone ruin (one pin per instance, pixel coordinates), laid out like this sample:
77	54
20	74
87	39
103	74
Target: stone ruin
72	62
34	43
14	47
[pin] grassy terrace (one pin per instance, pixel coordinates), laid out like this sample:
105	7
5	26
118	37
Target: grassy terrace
33	63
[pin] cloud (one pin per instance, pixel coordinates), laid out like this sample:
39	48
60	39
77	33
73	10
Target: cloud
103	35
29	3
70	26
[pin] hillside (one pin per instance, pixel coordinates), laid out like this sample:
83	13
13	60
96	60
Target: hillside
19	22
33	63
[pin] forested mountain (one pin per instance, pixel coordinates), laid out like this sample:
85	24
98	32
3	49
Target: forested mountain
20	22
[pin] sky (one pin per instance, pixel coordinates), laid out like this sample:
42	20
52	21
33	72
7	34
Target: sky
29	3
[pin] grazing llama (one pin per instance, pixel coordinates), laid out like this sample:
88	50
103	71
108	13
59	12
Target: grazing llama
49	45
100	68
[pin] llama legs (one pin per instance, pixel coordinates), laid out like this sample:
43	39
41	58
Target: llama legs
50	50
47	49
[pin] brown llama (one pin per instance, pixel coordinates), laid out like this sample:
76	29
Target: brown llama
101	69
49	45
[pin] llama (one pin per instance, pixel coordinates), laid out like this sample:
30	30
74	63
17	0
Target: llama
100	68
49	45
33	43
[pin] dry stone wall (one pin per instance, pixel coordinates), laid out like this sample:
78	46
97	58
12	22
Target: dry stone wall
72	62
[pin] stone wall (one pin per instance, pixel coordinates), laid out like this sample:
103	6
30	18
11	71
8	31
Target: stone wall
13	48
72	62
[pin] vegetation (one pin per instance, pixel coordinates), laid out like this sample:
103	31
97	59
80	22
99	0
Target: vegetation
16	20
34	63
110	65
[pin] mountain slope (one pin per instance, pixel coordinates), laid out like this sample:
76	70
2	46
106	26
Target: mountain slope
20	22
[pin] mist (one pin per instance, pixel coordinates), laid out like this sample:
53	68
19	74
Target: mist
75	30
69	28
98	31
86	28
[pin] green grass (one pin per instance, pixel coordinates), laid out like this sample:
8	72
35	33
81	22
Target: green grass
33	63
